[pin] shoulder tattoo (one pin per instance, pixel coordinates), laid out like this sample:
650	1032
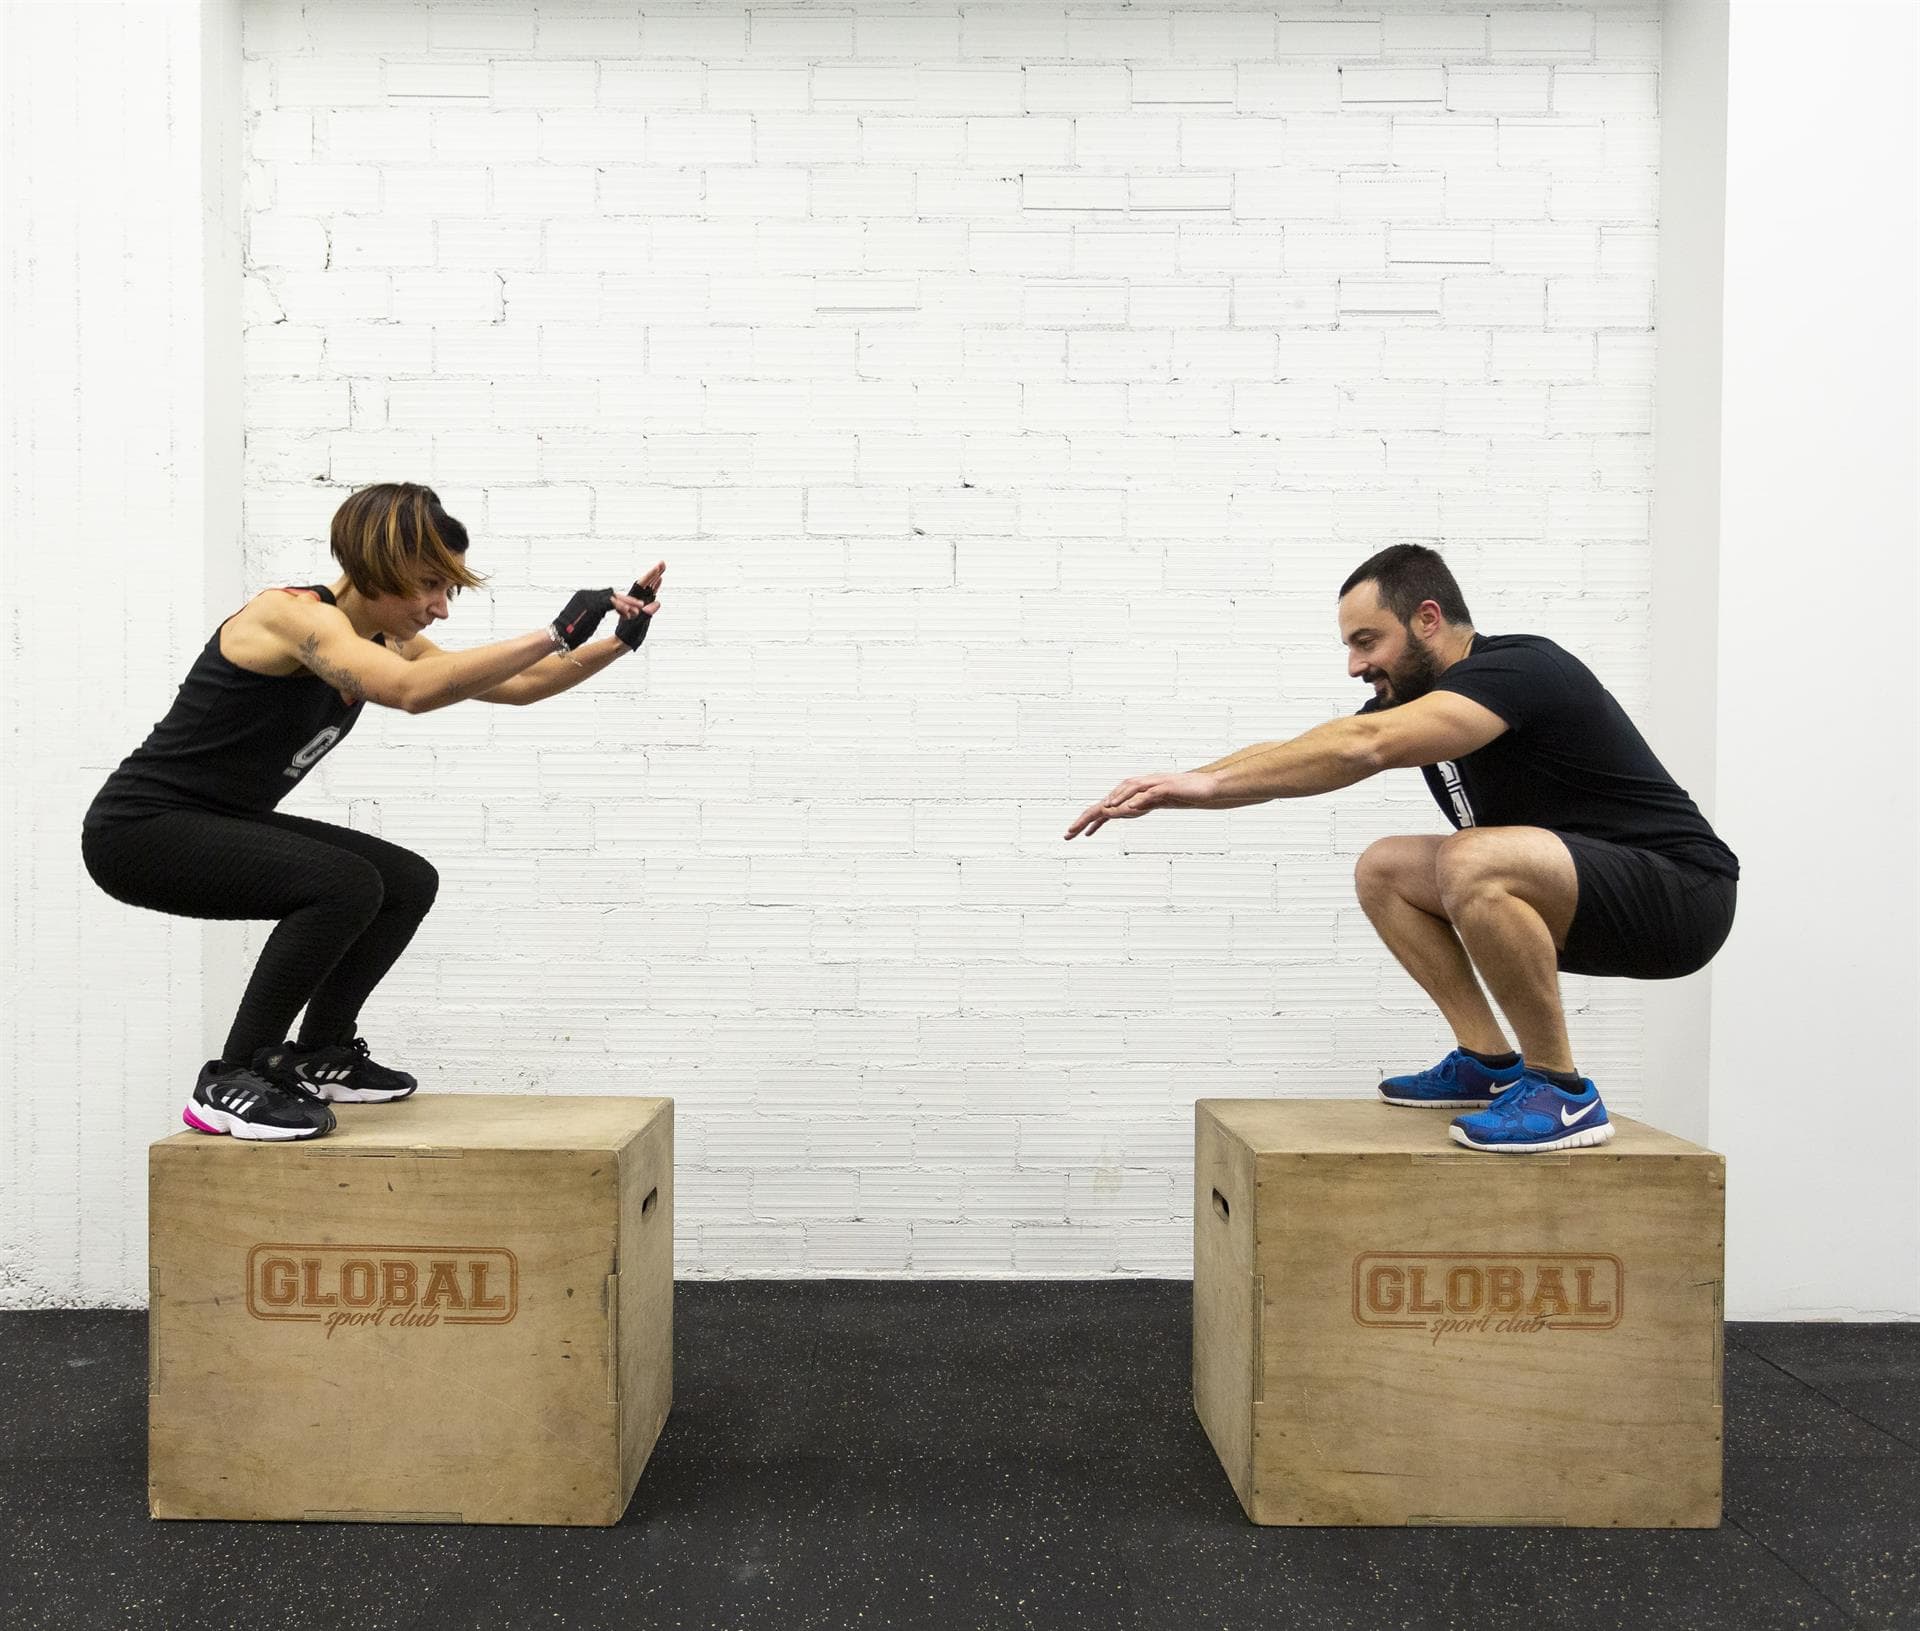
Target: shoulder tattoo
343	680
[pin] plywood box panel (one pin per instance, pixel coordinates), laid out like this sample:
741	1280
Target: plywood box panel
454	1308
1389	1329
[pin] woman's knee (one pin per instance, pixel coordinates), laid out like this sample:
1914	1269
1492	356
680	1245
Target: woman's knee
414	883
409	881
356	890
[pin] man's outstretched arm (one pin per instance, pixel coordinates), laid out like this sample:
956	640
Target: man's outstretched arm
1440	725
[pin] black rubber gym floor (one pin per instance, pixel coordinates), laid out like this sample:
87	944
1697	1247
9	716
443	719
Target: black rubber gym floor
903	1454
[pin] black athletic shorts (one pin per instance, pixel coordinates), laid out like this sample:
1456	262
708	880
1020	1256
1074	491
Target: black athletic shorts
1641	916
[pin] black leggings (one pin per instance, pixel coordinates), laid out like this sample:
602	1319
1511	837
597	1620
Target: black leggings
347	902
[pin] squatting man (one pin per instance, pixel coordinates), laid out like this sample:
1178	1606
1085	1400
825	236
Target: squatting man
1574	849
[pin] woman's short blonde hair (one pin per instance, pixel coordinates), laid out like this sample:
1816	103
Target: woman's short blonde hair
390	537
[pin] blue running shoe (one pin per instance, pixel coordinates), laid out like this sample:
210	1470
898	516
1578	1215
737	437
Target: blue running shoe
1458	1082
1535	1115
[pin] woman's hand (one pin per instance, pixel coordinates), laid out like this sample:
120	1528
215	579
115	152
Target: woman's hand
581	615
632	628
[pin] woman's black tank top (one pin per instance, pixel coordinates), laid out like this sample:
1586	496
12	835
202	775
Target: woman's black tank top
233	741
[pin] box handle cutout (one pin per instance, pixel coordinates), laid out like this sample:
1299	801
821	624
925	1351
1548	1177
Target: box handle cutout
1220	1206
652	1200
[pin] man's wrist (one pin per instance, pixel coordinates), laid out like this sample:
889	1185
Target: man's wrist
1215	794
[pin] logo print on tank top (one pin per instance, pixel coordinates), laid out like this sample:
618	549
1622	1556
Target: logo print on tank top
1456	790
312	753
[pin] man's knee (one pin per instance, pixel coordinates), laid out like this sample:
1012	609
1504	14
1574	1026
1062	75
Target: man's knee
1390	868
1373	872
1482	864
1467	868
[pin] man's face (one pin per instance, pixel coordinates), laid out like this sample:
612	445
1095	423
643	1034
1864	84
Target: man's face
1383	651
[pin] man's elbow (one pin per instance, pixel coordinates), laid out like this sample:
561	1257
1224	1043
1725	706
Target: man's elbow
1387	746
1372	749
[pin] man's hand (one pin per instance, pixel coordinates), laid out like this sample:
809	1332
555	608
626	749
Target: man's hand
1173	789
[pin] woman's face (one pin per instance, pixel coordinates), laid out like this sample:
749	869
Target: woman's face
401	617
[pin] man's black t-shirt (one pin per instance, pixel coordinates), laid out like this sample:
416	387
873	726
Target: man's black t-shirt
1569	760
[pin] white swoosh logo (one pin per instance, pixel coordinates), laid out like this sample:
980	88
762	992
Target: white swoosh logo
1567	1120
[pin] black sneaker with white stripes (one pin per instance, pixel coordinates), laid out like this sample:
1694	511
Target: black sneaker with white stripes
343	1072
235	1100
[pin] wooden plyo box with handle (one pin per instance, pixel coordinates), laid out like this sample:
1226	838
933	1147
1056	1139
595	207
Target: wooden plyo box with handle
456	1308
1391	1329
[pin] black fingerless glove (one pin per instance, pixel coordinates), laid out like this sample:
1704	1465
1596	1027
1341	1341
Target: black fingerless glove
581	615
630	631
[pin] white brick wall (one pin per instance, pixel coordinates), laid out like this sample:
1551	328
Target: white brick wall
120	245
1009	387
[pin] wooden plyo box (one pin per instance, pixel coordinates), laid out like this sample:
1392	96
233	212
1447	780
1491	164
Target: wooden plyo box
1391	1329
455	1308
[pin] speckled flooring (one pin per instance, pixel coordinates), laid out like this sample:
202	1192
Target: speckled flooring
894	1454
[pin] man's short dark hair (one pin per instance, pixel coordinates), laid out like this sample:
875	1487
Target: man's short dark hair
1408	574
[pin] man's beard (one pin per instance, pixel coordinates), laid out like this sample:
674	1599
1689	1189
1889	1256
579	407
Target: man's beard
1412	678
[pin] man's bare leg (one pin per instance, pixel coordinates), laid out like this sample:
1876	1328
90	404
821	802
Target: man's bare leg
1510	894
1397	880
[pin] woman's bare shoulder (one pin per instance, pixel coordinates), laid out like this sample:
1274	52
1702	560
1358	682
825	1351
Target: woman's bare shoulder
265	634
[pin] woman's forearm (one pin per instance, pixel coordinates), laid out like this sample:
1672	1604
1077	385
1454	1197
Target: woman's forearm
455	676
563	673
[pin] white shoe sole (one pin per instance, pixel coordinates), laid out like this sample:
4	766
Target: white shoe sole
338	1093
1438	1104
205	1118
1586	1138
1443	1104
